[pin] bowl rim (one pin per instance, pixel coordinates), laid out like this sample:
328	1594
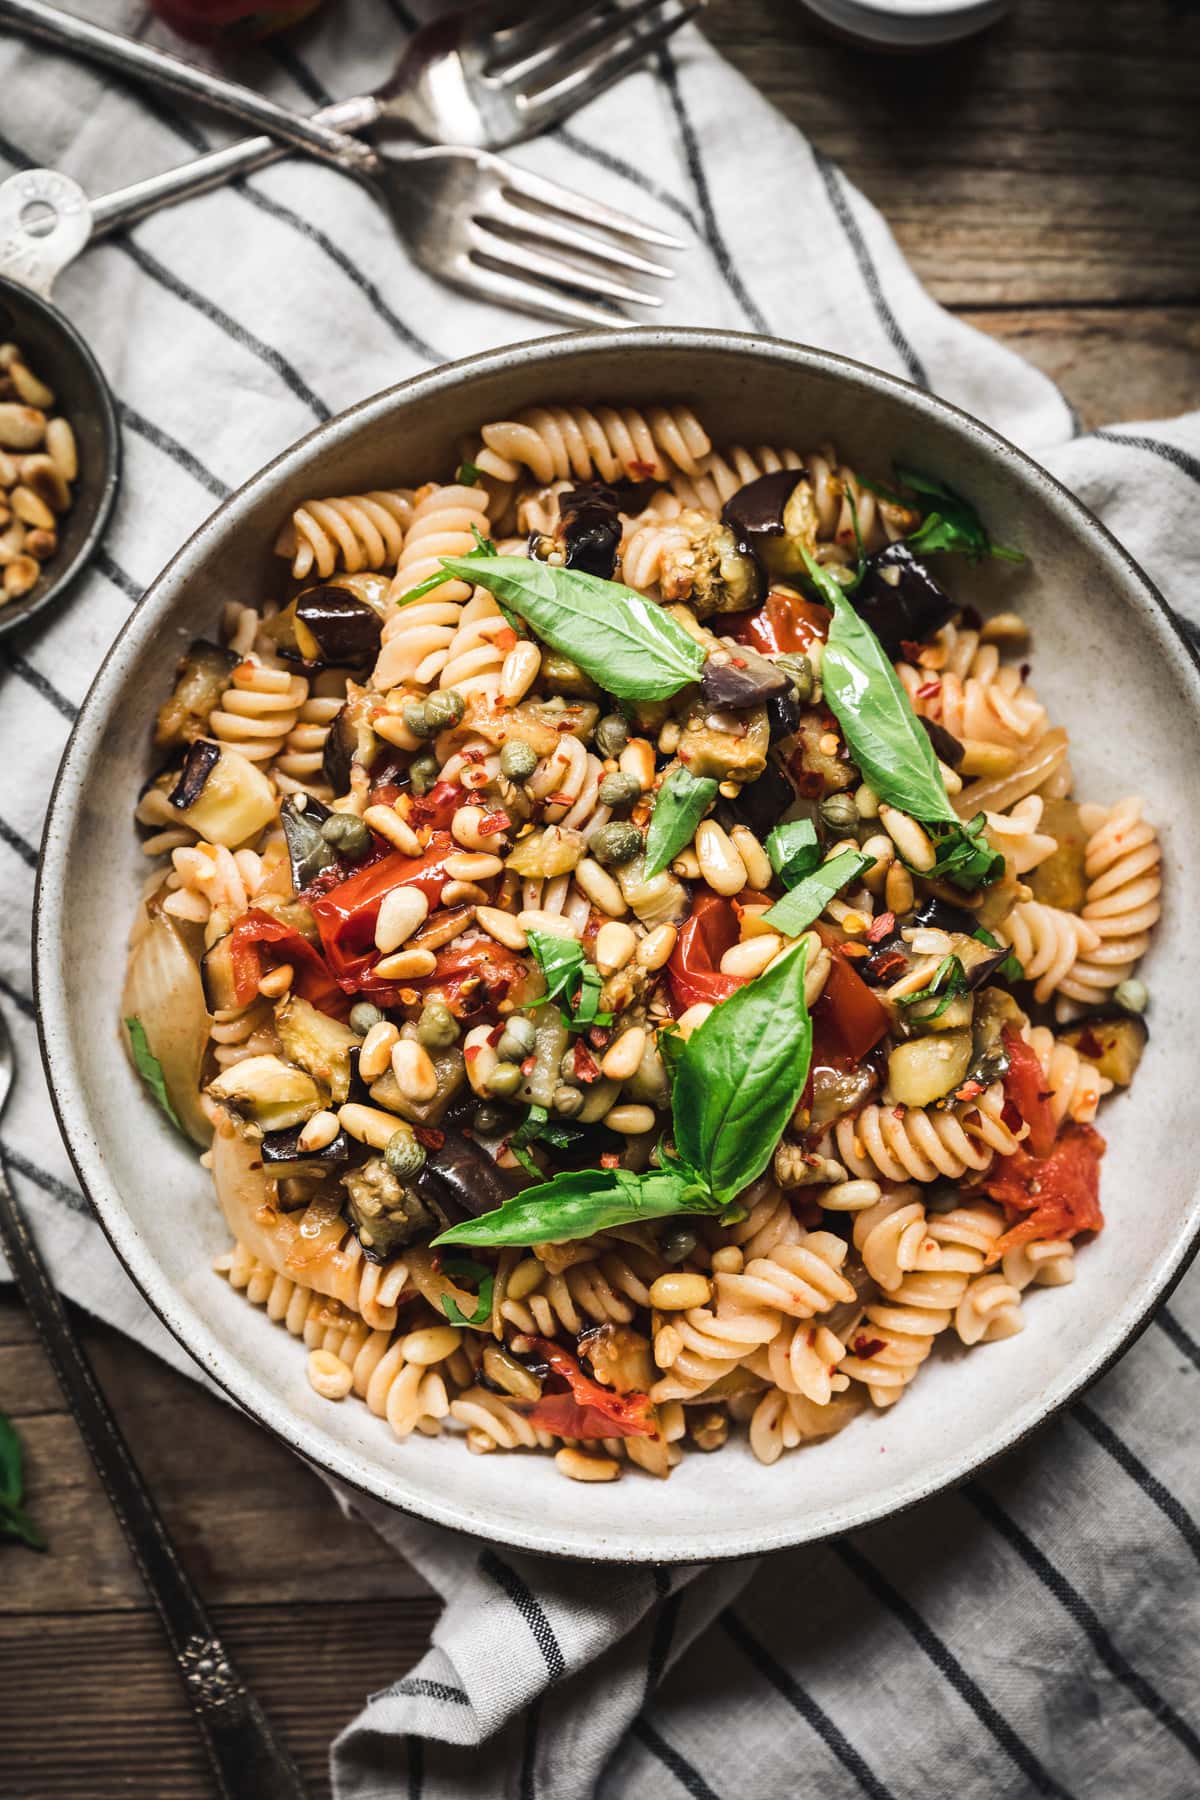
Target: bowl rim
19	613
229	1373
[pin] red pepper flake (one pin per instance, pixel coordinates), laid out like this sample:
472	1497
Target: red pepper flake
529	1065
471	1052
970	1090
477	755
429	1136
898	1113
1010	1113
1026	669
866	1347
854	950
911	649
884	964
497	821
560	799
610	1160
599	1035
586	1067
739	662
1089	1044
642	471
565	725
882	925
506	639
928	689
495	1034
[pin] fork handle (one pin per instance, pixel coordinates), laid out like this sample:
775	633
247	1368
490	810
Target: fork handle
127	204
72	33
248	1760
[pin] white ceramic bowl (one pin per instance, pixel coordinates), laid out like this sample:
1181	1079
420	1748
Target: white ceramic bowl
1109	664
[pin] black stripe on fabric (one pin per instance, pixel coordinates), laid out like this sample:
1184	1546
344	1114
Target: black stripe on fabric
21	1001
1171	453
112	571
49	1184
616	165
285	58
37	681
23	848
401	14
416	1687
803	1703
170	446
712	230
1073	1602
831	177
1181	1339
415	1747
527	1779
238	334
688	1778
947	1664
661	1640
529	1608
1135	1468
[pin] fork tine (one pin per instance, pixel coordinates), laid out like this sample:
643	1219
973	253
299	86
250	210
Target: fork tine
582	38
507	42
621	55
565	235
580	208
505	286
525	256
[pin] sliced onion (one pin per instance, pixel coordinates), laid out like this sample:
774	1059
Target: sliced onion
164	992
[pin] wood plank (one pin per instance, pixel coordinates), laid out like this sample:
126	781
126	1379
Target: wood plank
1124	363
1051	160
92	1706
251	1521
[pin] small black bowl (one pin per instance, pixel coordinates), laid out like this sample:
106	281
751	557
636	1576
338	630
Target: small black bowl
58	354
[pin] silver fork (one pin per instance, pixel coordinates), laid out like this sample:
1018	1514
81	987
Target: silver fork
466	216
248	1761
486	77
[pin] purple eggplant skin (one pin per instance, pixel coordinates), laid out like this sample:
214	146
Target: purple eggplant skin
762	803
900	600
741	678
591	529
201	677
783	715
461	1179
756	510
945	744
308	852
282	1155
338	755
347	631
198	764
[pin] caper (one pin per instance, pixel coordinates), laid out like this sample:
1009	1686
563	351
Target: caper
567	1101
619	790
488	1120
423	772
363	1015
616	843
504	1080
611	735
676	1243
444	709
518	760
418	720
517	1039
798	667
403	1155
347	834
839	812
437	1028
1132	996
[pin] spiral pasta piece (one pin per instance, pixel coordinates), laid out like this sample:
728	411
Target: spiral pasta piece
258	710
351	531
703	1347
1122	861
782	1421
300	763
803	1359
557	442
897	1334
1048	943
444	522
961	683
1015	834
892	1239
990	1309
1075	1087
474	658
913	1143
1048	1262
799	1279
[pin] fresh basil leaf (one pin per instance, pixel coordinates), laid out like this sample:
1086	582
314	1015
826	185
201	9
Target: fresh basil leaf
964	855
588	997
953	524
809	898
560	959
483	547
150	1069
626	643
11	1477
530	1127
558	1135
468	475
422	588
526	1161
14	1523
681	803
861	566
949	981
1012	968
580	1202
794	850
465	1268
740	1076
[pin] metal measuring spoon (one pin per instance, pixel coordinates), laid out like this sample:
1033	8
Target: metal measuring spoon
45	221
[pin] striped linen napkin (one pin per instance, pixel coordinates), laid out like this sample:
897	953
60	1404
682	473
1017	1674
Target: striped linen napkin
1032	1633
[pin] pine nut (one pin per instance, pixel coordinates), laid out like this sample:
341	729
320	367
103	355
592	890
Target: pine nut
480	1057
317	1132
555	924
577	1465
431	1344
466	825
637	759
501	926
30	508
910	840
413	1068
524	1279
657	947
693	1019
866	801
406	965
328	1375
752	955
720	864
21	427
368	1124
898	889
519	671
388	823
40	476
32	391
631	1120
600	888
687	864
467	893
376	1052
1004	628
758	863
926	941
479	867
816	970
851	1196
60	446
392	729
679	1291
951	779
667	1346
400	912
442	928
276	981
881	848
622	1058
728	1261
615	945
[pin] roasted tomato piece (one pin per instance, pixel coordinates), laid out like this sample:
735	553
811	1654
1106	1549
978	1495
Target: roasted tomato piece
848	1019
1059	1193
695	966
1024	1086
312	979
585	1409
346	914
785	622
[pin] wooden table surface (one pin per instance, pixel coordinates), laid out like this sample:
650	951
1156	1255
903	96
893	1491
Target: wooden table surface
1043	182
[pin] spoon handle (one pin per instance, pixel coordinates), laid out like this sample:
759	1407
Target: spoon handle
135	58
248	1760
